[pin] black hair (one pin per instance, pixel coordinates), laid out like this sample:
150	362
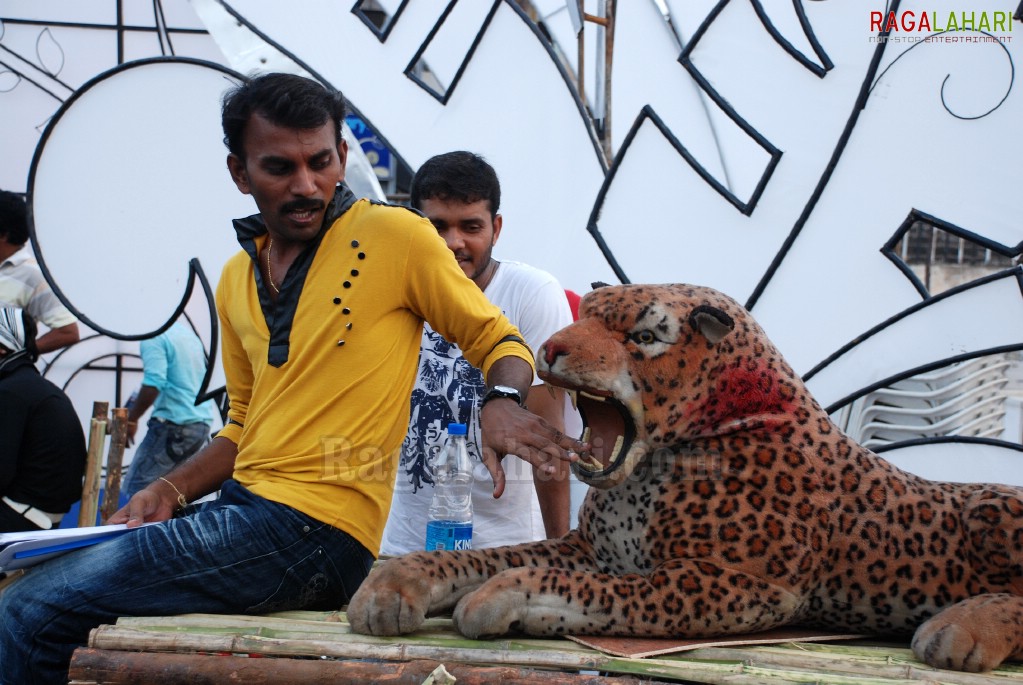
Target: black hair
13	218
283	99
460	176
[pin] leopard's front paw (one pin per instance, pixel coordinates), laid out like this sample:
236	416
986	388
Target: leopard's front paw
393	600
977	634
952	646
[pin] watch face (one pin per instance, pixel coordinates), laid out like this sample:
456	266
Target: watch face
503	391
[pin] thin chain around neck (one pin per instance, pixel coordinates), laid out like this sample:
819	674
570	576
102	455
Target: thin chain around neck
269	273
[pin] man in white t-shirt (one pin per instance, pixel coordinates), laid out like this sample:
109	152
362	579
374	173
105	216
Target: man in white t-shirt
22	283
459	192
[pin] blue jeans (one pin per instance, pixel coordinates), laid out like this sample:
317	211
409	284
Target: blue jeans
165	446
239	554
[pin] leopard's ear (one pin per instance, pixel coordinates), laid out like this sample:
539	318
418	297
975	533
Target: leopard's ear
598	284
711	322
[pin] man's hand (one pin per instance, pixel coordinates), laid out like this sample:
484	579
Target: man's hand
130	429
145	399
507	428
157	502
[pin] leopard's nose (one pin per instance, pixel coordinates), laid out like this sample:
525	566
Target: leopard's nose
550	351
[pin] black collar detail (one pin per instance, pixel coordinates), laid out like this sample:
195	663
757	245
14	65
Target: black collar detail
281	314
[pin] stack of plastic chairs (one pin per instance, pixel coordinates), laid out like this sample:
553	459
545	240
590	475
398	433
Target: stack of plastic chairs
965	399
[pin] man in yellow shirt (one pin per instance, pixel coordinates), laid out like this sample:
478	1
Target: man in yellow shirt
321	317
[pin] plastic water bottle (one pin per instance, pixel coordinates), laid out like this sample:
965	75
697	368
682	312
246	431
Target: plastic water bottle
449	523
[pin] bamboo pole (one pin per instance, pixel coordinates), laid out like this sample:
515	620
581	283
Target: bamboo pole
115	456
352	647
608	23
93	465
92	666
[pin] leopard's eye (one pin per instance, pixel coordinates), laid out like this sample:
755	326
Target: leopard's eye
644	337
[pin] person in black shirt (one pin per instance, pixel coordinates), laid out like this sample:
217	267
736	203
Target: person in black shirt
42	445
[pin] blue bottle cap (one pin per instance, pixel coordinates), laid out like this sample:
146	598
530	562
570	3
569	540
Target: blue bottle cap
456	429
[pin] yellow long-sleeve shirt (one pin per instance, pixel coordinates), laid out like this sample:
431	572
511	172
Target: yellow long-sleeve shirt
319	382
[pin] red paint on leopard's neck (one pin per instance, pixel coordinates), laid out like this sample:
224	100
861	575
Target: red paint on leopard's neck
746	394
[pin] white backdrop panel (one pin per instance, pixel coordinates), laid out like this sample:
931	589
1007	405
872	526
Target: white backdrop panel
906	152
978	318
512	105
644	44
960	462
130	184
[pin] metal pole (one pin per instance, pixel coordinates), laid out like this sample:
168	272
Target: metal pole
580	71
609	39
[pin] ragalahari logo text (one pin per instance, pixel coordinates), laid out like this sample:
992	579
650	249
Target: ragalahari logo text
914	25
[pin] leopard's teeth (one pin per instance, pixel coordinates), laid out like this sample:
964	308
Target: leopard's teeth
591	396
575	399
588	461
550	389
618	447
591	463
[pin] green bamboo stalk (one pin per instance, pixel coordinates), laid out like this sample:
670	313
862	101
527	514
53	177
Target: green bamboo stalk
296	630
892	652
435	631
367	647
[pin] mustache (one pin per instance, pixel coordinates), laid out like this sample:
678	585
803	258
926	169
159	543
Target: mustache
301	206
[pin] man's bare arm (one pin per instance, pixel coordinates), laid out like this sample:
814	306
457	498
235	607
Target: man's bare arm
56	338
198	476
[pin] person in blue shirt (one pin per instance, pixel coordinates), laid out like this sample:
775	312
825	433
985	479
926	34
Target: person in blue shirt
173	366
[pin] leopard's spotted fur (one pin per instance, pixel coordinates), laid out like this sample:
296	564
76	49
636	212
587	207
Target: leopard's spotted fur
735	506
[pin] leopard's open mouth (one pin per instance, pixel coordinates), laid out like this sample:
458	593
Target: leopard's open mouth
610	431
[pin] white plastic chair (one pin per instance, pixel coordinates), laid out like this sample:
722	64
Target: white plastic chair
967	399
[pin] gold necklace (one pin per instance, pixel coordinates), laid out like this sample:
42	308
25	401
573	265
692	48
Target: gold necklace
269	273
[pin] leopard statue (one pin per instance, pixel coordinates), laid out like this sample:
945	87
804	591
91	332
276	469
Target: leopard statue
724	500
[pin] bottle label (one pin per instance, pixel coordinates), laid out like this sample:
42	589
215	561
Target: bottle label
448	535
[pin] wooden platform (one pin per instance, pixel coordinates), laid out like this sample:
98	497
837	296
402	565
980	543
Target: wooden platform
317	647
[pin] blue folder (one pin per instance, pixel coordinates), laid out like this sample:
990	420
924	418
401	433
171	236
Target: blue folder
20	550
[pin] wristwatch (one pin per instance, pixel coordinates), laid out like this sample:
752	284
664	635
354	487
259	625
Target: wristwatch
499	391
